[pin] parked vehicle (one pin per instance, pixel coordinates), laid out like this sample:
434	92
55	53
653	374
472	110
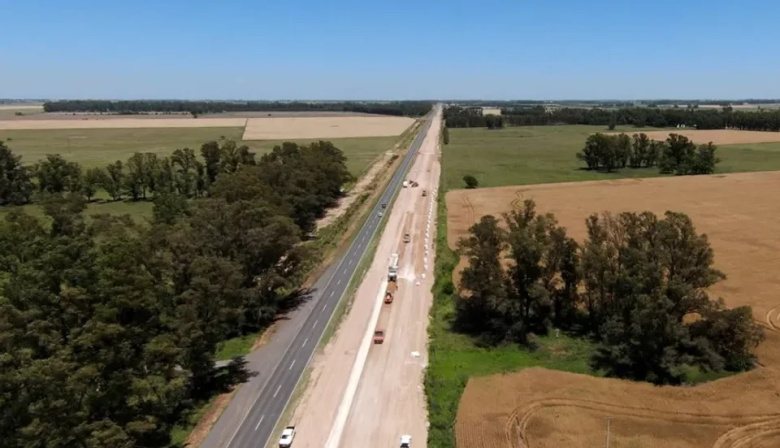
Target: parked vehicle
287	437
407	237
388	297
406	441
379	337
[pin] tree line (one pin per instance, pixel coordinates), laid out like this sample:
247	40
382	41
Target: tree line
109	327
762	120
306	179
677	155
636	286
398	108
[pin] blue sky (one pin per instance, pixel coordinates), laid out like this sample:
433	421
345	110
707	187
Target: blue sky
390	49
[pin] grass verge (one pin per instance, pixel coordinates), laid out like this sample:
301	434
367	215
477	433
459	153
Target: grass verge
182	431
238	346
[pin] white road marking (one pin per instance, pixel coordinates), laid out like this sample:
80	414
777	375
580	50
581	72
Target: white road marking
292	364
307	340
331	293
277	390
338	282
261	421
315	323
324	306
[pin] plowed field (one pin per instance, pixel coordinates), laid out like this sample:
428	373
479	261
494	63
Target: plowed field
540	409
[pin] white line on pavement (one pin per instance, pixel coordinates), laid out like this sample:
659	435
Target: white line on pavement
292	364
261	421
277	390
315	323
304	343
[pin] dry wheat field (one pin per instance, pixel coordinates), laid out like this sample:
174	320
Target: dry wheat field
537	408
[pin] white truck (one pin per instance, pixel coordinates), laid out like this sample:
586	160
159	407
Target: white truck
406	441
286	440
392	271
405	184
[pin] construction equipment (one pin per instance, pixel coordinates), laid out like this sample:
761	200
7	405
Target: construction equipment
379	337
415	184
425	192
407	237
388	297
392	271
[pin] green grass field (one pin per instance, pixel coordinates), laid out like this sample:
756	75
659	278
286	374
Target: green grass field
99	147
546	154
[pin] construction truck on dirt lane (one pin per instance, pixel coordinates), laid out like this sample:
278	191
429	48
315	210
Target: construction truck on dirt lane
392	271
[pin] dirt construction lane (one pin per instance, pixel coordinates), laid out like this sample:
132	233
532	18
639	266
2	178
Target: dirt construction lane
387	399
390	400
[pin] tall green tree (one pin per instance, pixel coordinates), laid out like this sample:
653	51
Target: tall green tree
233	156
135	179
484	280
678	155
537	247
186	171
212	157
643	277
114	181
57	175
15	185
94	178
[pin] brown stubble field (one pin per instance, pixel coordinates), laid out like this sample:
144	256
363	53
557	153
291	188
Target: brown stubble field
739	213
325	127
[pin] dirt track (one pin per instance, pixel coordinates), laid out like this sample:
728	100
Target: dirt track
389	400
542	409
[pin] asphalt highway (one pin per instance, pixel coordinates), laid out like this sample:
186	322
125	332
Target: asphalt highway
257	425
